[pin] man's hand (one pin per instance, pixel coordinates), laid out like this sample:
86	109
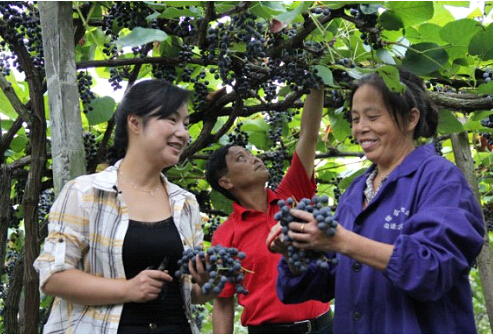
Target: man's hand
275	241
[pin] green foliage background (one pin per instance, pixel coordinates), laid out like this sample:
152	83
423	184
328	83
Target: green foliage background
248	65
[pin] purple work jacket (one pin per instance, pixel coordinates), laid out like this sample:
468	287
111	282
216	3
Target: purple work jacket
428	212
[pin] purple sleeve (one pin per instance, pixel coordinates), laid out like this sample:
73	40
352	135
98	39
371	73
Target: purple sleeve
314	284
438	244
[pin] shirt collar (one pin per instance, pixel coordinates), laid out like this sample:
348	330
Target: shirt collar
241	211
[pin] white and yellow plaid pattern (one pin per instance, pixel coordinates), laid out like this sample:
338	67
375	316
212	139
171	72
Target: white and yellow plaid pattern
87	225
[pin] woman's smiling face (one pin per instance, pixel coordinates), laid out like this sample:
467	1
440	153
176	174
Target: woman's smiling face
383	142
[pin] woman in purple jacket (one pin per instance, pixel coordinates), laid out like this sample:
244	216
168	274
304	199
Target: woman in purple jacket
410	227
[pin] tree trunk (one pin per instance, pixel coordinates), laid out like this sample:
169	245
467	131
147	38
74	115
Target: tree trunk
63	95
5	185
464	161
11	307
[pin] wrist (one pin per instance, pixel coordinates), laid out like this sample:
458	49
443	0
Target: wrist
125	291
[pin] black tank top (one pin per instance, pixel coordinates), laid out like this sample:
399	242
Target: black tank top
145	245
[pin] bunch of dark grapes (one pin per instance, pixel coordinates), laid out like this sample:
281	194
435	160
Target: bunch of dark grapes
238	136
11	258
369	20
90	147
243	28
337	100
270	91
321	10
438	146
14	219
84	82
488	75
300	258
292	69
274	161
4	59
337	189
225	267
164	71
110	50
274	158
127	14
21	27
19	188
186	27
210	227
218	38
199	314
488	122
46	199
200	90
185	55
140	51
116	77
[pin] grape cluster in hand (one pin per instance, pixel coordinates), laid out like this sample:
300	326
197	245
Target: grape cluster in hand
318	206
225	266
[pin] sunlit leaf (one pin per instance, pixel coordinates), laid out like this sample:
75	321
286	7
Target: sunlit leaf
326	75
103	109
139	36
481	45
412	12
467	28
448	123
423	58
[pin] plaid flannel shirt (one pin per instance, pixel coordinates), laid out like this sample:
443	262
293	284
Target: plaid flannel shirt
87	225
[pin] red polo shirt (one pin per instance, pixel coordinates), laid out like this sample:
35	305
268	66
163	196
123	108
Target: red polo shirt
247	231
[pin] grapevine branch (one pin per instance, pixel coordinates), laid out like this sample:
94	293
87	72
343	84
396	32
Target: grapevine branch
209	16
9	135
16	103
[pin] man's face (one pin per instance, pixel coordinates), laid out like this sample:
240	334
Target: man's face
244	169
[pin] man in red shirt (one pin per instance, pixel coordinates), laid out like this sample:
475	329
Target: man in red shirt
242	177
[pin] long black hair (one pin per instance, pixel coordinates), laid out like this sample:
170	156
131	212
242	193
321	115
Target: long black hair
145	99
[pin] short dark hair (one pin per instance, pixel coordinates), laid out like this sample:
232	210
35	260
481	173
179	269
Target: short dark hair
146	99
216	168
401	104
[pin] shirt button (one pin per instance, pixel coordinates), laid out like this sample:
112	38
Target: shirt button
152	325
356	267
356	316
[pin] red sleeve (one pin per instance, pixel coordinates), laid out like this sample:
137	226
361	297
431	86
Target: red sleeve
296	183
224	236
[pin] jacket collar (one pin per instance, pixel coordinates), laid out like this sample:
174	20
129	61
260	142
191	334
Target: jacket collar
409	165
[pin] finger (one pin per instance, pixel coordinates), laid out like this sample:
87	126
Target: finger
300	244
199	264
273	234
300	227
301	214
159	275
298	236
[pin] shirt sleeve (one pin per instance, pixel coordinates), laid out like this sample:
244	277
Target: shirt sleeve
197	221
314	284
224	236
296	183
439	242
67	238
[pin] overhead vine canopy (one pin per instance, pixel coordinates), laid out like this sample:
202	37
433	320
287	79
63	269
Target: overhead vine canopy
249	65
